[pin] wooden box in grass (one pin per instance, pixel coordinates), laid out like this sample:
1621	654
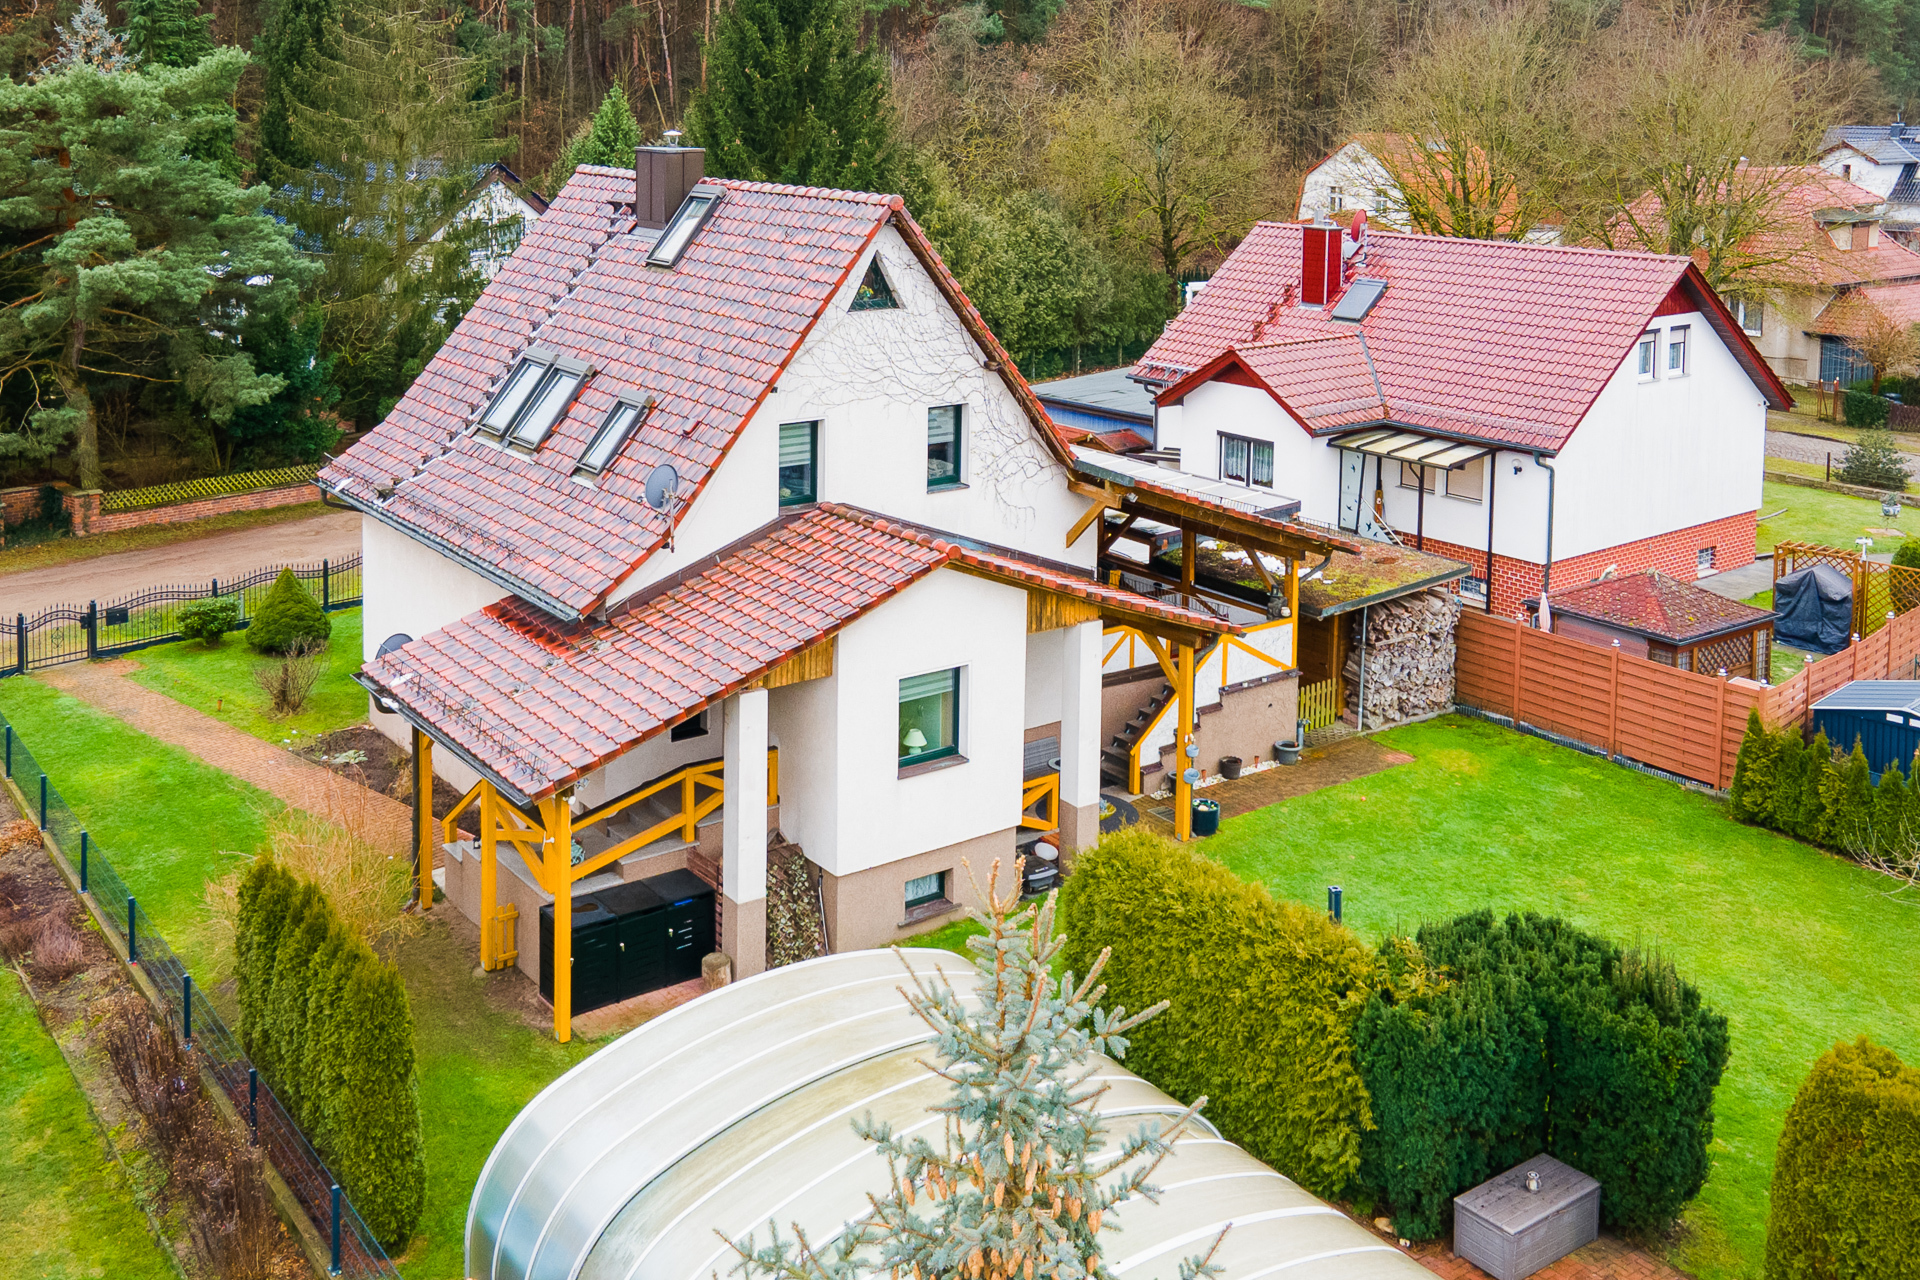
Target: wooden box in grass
1527	1218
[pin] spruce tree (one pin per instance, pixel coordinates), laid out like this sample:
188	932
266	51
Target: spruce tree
87	41
140	280
168	33
1017	1186
400	130
610	138
297	32
791	96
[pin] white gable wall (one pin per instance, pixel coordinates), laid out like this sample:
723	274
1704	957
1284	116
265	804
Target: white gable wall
411	588
1861	170
1351	178
1651	457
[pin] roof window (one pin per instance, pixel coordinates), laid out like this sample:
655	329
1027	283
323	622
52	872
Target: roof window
614	429
875	293
692	215
1358	299
534	397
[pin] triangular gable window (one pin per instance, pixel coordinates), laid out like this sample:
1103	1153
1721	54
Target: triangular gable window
875	293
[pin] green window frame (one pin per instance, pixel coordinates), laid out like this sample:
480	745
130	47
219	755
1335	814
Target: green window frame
922	890
799	463
945	439
929	717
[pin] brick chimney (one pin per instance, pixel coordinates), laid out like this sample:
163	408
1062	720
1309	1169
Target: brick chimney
1319	263
662	176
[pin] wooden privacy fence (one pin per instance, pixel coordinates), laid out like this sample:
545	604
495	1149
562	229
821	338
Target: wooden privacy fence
1679	722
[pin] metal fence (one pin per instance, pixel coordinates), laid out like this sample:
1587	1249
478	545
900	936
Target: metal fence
355	1252
160	495
74	633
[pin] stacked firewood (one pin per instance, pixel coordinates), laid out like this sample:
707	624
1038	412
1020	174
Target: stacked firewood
795	931
1409	658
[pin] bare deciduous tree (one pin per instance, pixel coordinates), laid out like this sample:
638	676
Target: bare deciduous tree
1890	347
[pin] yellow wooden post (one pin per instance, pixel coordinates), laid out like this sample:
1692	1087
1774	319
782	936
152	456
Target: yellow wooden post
423	824
489	877
690	828
1293	608
1182	790
557	817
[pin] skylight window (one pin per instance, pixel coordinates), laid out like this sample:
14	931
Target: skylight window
1358	299
614	430
680	232
875	293
534	398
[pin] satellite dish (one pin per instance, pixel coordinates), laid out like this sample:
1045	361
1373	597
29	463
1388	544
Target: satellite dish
663	485
392	642
1359	228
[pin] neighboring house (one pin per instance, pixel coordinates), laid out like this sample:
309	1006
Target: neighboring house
1650	615
722	522
1110	406
1885	160
507	206
1359	175
1539	413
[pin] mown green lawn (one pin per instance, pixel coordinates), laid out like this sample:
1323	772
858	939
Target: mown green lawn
220	682
168	822
66	1205
1831	519
1799	949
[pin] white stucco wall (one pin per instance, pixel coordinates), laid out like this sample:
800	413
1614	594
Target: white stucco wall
1046	670
1351	178
409	587
1861	170
1667	454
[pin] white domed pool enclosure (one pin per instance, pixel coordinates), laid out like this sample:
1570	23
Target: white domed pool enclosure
736	1110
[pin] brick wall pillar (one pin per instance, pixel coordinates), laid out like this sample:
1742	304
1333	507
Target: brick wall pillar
83	508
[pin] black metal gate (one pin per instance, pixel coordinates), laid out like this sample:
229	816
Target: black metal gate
73	633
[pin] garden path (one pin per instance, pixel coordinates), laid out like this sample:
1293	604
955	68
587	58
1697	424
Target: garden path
380	820
1604	1259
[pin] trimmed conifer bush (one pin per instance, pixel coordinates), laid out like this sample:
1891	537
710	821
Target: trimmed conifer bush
373	1108
286	617
1809	807
1847	796
1845	1201
266	900
293	977
1261	991
1750	798
1864	409
1907	554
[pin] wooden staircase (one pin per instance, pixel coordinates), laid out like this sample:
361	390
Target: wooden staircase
1116	759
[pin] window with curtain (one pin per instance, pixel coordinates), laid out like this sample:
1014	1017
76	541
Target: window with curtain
1649	353
1246	461
922	890
799	463
943	446
1677	351
929	716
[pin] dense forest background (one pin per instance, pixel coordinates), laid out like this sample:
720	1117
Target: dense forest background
1075	160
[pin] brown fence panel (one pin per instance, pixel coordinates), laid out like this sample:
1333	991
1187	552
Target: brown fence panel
1484	663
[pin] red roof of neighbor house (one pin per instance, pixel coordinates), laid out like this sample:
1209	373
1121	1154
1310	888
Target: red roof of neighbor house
1652	604
1482	339
538	702
707	339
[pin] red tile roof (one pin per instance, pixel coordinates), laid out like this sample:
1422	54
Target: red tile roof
538	701
1652	604
706	339
1487	340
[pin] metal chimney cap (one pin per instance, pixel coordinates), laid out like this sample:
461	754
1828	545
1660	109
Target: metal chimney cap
672	136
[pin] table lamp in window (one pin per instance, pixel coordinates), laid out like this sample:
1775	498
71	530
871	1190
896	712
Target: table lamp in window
914	741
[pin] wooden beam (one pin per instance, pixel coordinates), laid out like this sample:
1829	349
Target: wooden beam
1097	509
1229	527
1260	567
556	812
1110	532
1050	610
812	663
1182	789
423	824
489	878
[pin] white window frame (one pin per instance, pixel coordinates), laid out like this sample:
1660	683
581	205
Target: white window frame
1251	479
1679	338
1431	480
1477	467
1646	354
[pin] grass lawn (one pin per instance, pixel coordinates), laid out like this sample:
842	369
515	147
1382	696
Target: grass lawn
1832	519
168	822
68	1208
40	555
1797	948
219	682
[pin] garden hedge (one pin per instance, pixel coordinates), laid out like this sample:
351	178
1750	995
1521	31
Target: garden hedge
209	619
1804	789
288	616
1845	1201
1263	996
1864	409
328	1025
1543	1038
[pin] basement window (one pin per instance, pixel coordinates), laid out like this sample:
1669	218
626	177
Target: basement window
923	891
692	215
875	293
615	428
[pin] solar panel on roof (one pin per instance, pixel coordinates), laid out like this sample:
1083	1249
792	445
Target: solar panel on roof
1358	300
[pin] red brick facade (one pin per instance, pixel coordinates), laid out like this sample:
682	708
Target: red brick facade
1675	554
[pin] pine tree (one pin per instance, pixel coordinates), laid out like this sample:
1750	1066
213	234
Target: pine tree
610	138
1017	1187
141	279
87	41
791	96
400	130
168	33
1750	798
297	32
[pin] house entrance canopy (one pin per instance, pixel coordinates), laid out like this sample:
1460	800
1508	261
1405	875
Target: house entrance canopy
1413	448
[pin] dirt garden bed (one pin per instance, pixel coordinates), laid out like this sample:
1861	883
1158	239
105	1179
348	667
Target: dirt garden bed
372	759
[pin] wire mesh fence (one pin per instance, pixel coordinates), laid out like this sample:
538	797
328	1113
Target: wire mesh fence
354	1251
97	629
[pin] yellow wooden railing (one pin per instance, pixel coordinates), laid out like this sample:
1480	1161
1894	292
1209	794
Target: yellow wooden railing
1044	792
1221	650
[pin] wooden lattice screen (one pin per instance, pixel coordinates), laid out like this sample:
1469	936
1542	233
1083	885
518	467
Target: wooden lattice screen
1880	590
160	495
